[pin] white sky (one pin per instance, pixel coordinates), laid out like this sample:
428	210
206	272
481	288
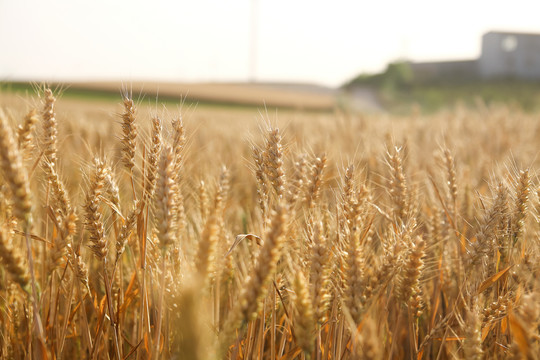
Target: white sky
325	42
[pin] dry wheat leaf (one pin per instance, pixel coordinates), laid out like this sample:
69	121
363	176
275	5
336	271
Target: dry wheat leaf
492	280
520	335
240	238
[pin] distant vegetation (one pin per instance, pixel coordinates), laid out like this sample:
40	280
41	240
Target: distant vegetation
398	90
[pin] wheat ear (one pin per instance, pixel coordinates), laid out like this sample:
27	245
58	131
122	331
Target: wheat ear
315	182
15	174
354	277
408	277
319	271
255	286
127	229
304	324
24	133
166	215
398	185
93	216
297	181
273	161
94	225
165	200
520	206
129	134
208	246
485	239
262	185
153	157
13	262
50	131
178	144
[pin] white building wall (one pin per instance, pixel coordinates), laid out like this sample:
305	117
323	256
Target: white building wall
510	55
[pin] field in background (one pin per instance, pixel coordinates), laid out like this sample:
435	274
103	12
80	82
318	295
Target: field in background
273	95
209	232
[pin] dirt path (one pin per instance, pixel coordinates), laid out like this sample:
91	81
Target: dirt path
361	99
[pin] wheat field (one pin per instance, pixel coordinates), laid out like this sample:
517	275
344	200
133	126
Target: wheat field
137	231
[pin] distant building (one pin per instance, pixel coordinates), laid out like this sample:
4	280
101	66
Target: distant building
505	55
510	55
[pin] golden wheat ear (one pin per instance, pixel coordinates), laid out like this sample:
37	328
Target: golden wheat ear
399	191
15	174
50	128
273	161
129	134
127	229
13	262
25	135
408	277
93	215
521	203
316	180
153	158
178	142
255	286
262	185
208	245
303	313
493	218
165	200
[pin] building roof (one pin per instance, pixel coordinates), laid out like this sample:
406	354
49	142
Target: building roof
517	33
